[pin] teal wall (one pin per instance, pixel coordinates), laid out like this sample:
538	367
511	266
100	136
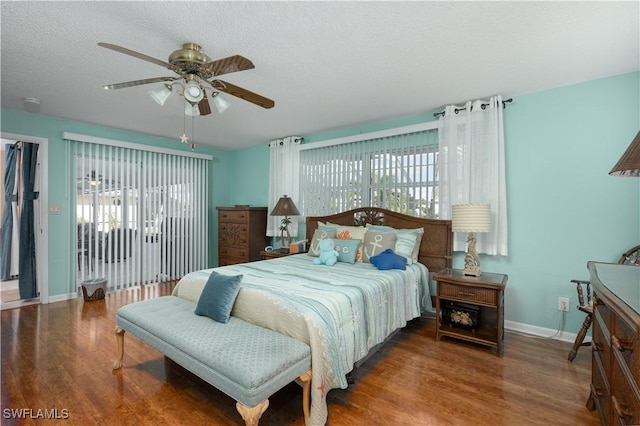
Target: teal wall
564	209
24	123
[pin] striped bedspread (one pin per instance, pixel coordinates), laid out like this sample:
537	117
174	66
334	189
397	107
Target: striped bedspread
341	311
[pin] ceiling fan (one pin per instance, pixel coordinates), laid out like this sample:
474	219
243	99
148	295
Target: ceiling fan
194	70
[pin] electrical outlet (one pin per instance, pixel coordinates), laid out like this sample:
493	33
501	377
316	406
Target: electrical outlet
563	304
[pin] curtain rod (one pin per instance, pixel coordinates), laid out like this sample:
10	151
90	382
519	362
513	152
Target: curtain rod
441	113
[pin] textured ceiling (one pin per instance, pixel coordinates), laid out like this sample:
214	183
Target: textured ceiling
327	65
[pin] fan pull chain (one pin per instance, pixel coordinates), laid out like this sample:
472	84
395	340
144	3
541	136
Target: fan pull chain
184	138
193	134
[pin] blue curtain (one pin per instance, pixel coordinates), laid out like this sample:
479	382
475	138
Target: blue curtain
11	155
27	263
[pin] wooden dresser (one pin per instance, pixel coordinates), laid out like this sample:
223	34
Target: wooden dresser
241	234
615	360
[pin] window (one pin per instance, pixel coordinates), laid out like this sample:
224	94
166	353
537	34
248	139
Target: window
397	172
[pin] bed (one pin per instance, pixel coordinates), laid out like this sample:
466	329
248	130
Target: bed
341	311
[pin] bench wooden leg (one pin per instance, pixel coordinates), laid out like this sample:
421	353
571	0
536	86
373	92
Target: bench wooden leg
117	364
306	395
251	415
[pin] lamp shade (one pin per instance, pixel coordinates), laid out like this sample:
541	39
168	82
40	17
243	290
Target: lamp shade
161	94
471	218
220	102
285	207
629	163
193	92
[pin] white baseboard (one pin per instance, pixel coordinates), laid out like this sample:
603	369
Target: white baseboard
62	297
539	331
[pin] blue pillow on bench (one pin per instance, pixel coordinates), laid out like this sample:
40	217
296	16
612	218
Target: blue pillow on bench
388	260
218	296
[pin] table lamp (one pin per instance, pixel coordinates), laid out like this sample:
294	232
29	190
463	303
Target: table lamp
285	207
471	218
629	163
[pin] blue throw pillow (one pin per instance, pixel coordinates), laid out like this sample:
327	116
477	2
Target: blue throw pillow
389	260
347	250
218	296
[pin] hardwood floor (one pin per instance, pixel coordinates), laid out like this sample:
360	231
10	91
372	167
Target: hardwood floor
58	358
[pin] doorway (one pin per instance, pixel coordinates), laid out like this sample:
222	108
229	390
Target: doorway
10	281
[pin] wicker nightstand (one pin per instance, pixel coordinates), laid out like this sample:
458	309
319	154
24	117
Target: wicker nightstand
471	308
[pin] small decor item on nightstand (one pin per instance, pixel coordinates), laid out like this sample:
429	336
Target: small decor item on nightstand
461	315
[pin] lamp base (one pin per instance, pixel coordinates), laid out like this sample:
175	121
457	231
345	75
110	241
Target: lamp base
471	272
471	259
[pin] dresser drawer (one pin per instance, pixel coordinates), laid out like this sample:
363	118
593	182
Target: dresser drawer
625	406
233	216
235	253
233	234
600	390
468	294
600	344
602	310
626	347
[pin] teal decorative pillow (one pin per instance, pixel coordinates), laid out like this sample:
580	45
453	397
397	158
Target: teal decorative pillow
377	242
218	296
389	260
347	250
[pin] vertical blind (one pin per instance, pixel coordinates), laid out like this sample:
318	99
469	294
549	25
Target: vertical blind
141	216
396	172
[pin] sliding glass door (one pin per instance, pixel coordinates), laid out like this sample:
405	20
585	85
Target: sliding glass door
141	216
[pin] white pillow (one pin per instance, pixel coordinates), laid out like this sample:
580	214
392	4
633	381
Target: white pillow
407	241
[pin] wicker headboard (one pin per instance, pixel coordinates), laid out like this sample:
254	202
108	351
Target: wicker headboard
436	248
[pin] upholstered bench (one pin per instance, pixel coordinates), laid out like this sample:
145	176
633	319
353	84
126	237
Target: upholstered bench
247	362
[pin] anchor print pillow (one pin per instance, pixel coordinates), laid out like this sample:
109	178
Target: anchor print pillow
377	242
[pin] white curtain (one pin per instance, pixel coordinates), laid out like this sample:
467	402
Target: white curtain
284	179
471	139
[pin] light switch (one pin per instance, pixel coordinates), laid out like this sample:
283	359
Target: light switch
54	208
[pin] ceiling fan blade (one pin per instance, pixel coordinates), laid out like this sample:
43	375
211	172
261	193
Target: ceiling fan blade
226	65
241	93
138	55
138	82
203	106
